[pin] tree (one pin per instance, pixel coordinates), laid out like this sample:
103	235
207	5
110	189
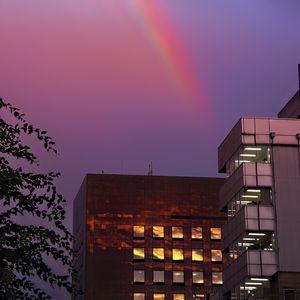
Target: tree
29	195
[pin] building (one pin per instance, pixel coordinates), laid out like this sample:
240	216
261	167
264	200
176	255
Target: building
148	237
261	195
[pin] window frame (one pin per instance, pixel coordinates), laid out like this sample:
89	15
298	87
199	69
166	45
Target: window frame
177	260
211	234
193	253
178	282
196	238
137	258
155	258
197	283
158	237
182	232
134	233
138	282
216	261
153	277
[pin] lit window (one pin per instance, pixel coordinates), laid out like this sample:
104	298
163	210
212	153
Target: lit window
217	278
197	233
158	296
139	231
198	278
177	232
216	255
138	296
215	233
158	253
178	277
158	276
177	255
198	296
158	232
197	255
178	296
139	276
138	253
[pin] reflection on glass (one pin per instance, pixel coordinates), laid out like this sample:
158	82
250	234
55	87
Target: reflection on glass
138	231
217	278
158	276
158	253
158	232
138	253
177	232
178	296
216	255
178	277
139	276
197	233
138	296
158	296
177	254
197	255
198	277
215	233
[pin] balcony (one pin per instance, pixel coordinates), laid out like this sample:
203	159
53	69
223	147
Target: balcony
252	263
246	175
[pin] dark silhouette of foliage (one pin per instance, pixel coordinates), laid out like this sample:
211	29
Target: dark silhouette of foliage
32	196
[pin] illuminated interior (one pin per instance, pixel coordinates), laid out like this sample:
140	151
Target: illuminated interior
217	278
198	296
216	255
158	232
215	233
177	255
178	296
197	255
139	231
250	288
158	276
158	253
177	232
138	253
139	276
198	277
158	296
138	296
178	277
197	233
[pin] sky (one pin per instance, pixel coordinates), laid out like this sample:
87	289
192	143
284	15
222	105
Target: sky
122	83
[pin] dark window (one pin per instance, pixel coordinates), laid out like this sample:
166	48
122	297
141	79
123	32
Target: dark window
289	294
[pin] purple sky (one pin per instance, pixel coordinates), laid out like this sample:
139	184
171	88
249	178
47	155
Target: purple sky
104	78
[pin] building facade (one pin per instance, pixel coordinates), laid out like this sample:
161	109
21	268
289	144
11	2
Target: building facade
261	196
148	237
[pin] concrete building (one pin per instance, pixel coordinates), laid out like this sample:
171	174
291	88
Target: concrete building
148	237
261	195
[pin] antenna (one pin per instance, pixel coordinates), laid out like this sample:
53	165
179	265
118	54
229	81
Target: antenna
299	75
150	171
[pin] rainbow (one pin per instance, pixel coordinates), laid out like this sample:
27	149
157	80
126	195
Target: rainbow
162	35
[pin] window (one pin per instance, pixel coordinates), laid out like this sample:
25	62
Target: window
138	296
138	253
178	276
198	296
158	296
197	255
198	278
197	233
215	233
217	278
139	276
178	296
158	276
158	253
177	255
289	294
158	232
216	255
138	231
177	232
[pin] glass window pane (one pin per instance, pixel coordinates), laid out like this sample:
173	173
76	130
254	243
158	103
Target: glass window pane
158	276
217	278
158	296
138	231
197	233
158	232
158	253
178	276
197	255
138	276
178	297
215	233
198	296
177	232
198	278
216	255
138	253
177	254
138	296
